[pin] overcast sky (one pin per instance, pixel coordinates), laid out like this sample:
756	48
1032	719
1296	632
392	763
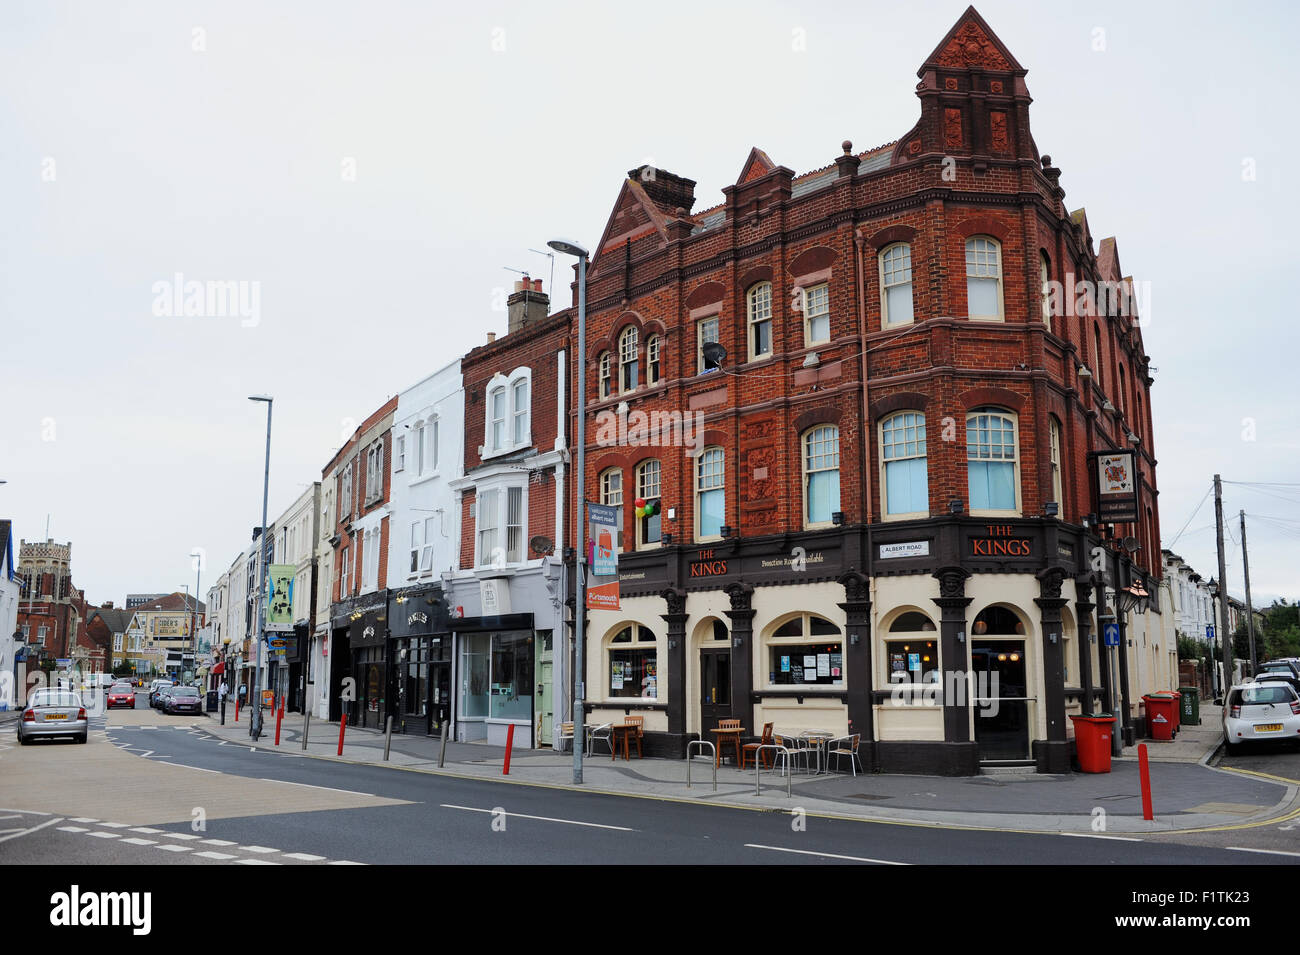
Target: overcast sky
371	169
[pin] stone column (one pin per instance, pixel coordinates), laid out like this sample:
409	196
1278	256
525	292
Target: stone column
741	615
1083	607
676	683
1053	754
859	680
952	602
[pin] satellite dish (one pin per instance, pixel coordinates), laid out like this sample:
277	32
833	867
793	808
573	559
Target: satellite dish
1131	545
714	355
541	544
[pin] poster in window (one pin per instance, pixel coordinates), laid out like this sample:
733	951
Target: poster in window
823	664
914	661
810	662
616	675
837	664
897	664
785	664
650	682
796	674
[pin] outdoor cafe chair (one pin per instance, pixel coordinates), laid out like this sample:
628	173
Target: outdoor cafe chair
792	748
845	746
751	749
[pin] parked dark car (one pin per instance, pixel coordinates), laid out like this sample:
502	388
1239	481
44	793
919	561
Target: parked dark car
182	699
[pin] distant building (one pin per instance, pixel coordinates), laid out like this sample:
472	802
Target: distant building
10	636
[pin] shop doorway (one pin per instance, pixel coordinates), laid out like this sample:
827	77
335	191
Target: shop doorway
545	706
440	697
1000	702
371	694
715	687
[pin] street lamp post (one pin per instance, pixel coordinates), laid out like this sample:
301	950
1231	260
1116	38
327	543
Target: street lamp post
194	623
225	676
579	609
255	722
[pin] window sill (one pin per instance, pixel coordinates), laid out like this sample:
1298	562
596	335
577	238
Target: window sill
423	478
974	513
912	516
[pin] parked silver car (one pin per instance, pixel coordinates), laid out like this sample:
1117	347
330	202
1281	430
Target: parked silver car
52	712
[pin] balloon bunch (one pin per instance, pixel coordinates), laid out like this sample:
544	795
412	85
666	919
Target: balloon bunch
646	508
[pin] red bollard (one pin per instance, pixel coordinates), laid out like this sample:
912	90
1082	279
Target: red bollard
510	742
279	716
1144	774
343	723
236	709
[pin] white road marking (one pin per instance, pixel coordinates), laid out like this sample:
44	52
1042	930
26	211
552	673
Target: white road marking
209	854
304	856
137	841
146	830
823	855
255	862
180	835
345	862
350	792
1097	835
115	825
81	819
26	832
1272	852
258	849
25	812
73	829
168	847
14	816
216	842
103	835
520	815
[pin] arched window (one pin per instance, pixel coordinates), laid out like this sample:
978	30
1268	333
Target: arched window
629	373
604	374
652	366
983	278
992	462
911	650
806	650
760	320
904	466
1044	277
632	663
821	474
611	487
710	494
649	486
896	284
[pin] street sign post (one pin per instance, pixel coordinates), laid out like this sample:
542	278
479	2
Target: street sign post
1111	633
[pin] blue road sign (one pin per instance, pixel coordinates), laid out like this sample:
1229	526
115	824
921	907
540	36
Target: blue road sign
1111	631
1209	631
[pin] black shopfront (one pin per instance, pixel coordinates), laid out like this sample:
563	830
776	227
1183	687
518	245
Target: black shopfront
421	655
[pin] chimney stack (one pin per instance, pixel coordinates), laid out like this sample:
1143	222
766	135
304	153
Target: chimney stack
528	305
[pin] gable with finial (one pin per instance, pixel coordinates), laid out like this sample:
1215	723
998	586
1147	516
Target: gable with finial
758	165
971	45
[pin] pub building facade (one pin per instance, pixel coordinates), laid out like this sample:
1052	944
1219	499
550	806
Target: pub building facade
847	427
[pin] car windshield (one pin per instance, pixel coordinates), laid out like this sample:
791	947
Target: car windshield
184	691
54	698
121	688
1268	693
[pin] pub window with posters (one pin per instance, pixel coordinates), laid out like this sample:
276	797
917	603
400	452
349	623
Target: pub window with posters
912	650
806	650
633	664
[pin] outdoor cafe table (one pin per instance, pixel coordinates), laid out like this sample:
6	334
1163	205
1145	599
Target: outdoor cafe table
724	735
626	730
817	740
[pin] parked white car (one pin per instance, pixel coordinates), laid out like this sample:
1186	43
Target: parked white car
1261	712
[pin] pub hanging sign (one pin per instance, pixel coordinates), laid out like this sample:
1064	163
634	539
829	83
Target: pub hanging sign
1115	496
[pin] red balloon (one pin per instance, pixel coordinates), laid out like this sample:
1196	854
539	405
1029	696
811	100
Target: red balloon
639	502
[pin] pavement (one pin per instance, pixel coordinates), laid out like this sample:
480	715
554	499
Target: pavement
1188	794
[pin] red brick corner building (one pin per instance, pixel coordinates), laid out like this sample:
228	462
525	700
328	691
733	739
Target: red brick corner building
874	517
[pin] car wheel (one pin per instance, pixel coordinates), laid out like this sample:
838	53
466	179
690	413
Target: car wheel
1231	748
22	740
84	737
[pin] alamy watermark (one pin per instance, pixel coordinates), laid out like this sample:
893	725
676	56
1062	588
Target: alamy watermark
228	298
654	429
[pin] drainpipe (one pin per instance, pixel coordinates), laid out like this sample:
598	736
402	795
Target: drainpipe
868	731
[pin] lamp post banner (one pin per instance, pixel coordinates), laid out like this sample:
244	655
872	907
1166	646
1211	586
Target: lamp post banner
279	608
602	579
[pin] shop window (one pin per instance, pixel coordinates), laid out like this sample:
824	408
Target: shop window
796	656
997	621
821	464
904	465
912	650
983	279
992	462
633	664
475	664
896	284
512	676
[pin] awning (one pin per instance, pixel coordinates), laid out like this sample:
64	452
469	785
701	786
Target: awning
220	667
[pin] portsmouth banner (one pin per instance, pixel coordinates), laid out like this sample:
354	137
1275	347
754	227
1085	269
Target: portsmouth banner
279	604
602	557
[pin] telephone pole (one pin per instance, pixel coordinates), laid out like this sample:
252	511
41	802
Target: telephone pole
1250	615
1224	636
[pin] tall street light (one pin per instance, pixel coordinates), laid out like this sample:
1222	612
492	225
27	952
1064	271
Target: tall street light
194	623
255	723
580	609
